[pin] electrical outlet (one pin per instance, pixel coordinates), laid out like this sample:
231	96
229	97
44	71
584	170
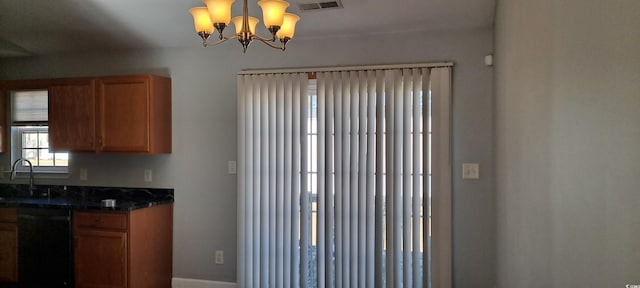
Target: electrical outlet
219	257
148	175
83	174
470	171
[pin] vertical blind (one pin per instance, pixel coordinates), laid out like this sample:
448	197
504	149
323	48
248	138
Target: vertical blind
271	122
332	183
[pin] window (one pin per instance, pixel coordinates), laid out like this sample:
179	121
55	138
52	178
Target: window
34	146
30	134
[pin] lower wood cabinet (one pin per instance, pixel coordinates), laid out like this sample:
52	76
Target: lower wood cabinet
8	245
100	258
124	249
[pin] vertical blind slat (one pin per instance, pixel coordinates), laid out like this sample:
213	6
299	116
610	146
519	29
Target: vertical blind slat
248	168
288	183
305	211
242	139
346	182
256	183
396	175
407	157
322	185
296	187
426	200
353	174
435	175
370	181
362	178
389	179
396	163
280	182
417	174
272	178
441	196
380	184
338	176
264	184
330	265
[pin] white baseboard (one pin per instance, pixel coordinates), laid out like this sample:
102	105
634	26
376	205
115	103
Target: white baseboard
195	283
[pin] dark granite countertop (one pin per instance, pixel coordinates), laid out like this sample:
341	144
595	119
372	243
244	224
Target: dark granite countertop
83	197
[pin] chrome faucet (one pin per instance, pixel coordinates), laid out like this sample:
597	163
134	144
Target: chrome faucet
13	173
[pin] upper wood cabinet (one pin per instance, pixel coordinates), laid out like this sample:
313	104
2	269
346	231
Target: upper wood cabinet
135	114
120	114
72	115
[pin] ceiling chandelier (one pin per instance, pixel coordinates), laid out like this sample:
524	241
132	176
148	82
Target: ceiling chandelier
217	15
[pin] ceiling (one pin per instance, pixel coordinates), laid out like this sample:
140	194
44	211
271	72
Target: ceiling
37	27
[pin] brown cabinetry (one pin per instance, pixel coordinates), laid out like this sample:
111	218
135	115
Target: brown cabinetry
100	258
4	94
72	115
124	249
125	114
8	245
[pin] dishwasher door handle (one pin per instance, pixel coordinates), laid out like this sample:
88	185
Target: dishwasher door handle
51	218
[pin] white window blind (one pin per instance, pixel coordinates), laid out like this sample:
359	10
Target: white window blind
335	185
30	106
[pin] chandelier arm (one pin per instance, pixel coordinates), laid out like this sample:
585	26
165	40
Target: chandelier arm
268	42
264	39
224	39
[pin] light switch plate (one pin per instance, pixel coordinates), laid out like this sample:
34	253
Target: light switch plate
232	167
470	171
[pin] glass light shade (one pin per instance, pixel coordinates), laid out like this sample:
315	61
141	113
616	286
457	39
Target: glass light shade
219	10
288	27
237	21
201	19
273	12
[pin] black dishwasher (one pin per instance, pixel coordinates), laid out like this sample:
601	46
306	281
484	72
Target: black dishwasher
44	248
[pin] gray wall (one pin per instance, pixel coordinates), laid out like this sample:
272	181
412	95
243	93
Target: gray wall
204	127
567	134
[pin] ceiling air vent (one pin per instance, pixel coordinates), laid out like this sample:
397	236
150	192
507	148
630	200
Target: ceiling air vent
320	5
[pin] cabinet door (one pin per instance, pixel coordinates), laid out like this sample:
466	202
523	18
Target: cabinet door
100	259
124	114
3	117
72	121
8	252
